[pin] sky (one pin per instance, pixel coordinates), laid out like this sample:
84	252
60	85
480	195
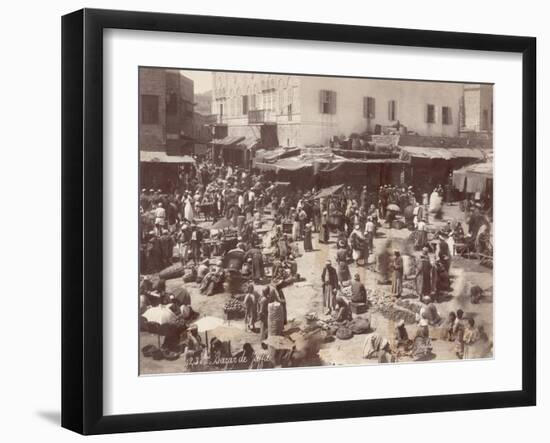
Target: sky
202	79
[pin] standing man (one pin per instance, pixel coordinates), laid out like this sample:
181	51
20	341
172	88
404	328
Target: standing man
423	275
329	278
397	280
251	308
160	216
262	312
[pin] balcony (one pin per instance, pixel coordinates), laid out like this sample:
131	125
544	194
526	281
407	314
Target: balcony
261	117
213	119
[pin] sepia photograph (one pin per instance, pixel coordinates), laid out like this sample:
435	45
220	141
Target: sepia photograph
290	221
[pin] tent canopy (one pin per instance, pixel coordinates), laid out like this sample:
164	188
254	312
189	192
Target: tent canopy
328	192
227	141
473	178
162	157
443	153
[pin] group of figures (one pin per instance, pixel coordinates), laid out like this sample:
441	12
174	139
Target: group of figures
231	230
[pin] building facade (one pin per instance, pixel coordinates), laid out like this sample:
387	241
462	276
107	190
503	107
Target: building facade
290	110
165	110
477	109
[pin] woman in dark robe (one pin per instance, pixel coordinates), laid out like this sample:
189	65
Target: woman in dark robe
308	244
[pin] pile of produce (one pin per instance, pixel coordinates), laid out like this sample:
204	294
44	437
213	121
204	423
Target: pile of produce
383	302
233	308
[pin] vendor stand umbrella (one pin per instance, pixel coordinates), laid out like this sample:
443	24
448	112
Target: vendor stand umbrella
206	324
159	315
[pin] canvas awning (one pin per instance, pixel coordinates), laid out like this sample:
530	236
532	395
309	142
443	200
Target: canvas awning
473	178
162	157
328	192
427	153
285	164
443	153
227	141
474	153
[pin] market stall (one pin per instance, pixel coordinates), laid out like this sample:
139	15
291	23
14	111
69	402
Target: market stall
159	170
476	178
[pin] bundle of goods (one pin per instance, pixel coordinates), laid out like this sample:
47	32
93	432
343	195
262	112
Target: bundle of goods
173	271
396	313
344	333
159	354
359	325
275	320
398	224
189	274
233	308
411	305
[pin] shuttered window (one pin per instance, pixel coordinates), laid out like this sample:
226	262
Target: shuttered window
392	110
430	114
446	115
369	105
245	104
327	102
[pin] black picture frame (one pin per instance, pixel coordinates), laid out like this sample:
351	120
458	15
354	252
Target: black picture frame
82	218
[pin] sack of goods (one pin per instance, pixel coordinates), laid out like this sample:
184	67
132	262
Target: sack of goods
360	325
275	321
173	271
344	333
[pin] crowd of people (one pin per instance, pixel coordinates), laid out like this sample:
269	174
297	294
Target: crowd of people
228	228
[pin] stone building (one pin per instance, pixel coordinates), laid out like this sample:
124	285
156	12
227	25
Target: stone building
477	109
166	111
291	110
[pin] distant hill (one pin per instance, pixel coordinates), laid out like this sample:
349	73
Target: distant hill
204	102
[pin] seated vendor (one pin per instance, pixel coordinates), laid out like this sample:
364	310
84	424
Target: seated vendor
246	269
422	343
342	311
358	291
193	343
212	282
401	336
202	270
291	265
429	312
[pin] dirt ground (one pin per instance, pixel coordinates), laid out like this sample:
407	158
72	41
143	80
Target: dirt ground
305	297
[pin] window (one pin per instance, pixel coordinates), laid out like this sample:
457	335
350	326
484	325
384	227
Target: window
430	114
172	104
221	109
327	102
369	105
149	109
446	115
289	111
392	110
245	104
